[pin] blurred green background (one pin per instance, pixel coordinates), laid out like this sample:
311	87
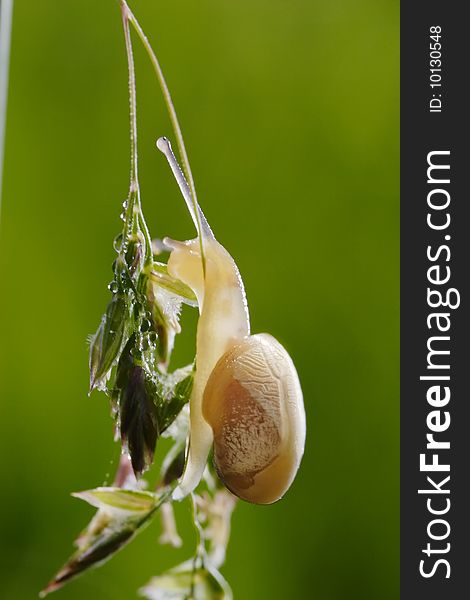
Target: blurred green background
290	113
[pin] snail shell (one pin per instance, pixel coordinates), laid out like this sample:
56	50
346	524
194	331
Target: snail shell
253	402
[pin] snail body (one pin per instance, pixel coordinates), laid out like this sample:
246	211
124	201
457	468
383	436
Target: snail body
246	399
222	322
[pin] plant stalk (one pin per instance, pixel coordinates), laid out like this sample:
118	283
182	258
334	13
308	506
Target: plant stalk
6	13
134	214
173	118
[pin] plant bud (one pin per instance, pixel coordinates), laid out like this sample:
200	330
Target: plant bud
138	417
107	343
135	255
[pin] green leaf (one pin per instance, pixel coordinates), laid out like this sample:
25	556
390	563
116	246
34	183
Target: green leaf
161	277
165	309
111	528
112	498
109	340
165	296
188	583
177	391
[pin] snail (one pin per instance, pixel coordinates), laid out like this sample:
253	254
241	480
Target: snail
246	400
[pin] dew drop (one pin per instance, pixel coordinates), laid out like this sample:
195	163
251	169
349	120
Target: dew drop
117	243
146	325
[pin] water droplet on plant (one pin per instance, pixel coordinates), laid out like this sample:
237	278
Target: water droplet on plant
117	243
146	324
113	287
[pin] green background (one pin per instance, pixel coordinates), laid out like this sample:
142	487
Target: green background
290	112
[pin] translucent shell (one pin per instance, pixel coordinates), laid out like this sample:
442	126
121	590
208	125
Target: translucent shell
254	404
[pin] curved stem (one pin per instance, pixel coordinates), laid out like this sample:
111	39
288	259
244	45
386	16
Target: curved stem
200	553
134	217
173	118
132	98
168	101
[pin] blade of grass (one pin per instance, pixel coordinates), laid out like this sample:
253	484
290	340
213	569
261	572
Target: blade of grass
6	12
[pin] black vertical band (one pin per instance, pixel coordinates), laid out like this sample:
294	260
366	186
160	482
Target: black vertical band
435	310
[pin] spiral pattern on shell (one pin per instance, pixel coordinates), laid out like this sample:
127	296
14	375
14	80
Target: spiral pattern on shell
253	402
